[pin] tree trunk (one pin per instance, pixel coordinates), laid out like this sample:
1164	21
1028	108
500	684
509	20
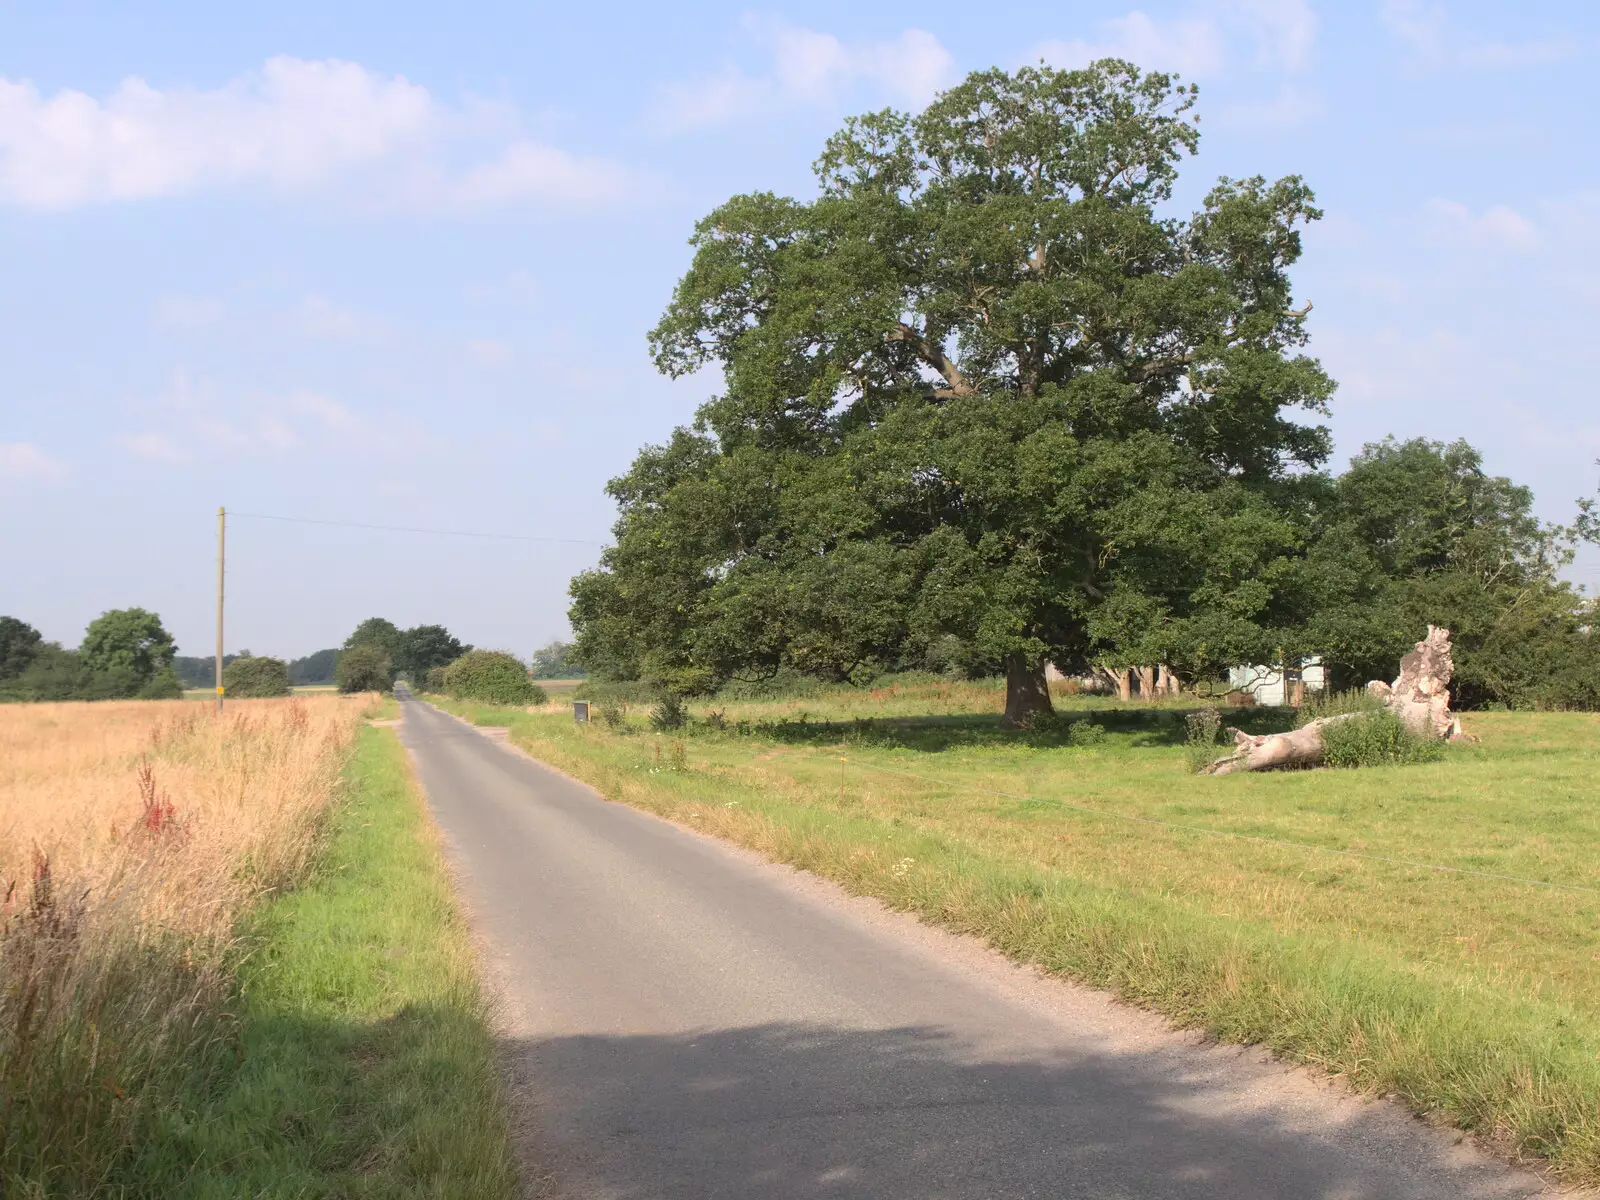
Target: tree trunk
1122	679
1027	692
1147	683
1167	682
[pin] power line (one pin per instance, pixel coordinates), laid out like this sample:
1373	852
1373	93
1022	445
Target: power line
506	537
1225	833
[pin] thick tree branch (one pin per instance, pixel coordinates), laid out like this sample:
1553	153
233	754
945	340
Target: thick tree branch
933	354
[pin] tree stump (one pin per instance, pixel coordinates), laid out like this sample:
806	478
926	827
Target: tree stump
1420	697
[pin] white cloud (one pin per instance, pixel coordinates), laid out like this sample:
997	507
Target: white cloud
24	460
1187	46
1282	32
293	126
1425	28
804	66
156	447
1500	227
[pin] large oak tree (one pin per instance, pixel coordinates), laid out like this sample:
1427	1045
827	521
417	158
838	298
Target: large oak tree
983	388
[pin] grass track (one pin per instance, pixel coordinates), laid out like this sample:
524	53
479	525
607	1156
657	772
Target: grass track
367	1065
1476	1000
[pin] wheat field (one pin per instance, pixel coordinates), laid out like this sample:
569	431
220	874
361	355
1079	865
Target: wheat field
133	838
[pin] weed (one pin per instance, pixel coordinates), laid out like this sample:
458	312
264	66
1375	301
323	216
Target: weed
1375	739
669	714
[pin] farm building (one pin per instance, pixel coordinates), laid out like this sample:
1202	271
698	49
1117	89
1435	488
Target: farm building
1268	686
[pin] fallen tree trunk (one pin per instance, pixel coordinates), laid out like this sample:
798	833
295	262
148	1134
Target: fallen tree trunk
1420	697
1301	747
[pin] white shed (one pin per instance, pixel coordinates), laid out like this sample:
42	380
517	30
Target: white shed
1266	684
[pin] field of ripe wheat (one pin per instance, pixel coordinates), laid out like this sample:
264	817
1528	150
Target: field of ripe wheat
133	837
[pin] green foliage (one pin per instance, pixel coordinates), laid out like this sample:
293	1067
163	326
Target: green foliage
1415	533
257	675
199	672
127	644
983	405
163	685
424	647
1086	733
555	660
1375	739
19	644
313	668
669	714
434	681
376	631
1200	730
1334	704
364	668
493	677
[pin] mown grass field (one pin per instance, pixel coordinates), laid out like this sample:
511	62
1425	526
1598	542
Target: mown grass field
1477	999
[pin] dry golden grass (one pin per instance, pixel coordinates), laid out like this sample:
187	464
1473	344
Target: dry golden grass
133	836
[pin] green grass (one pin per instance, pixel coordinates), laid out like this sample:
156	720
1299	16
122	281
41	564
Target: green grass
1475	999
365	1065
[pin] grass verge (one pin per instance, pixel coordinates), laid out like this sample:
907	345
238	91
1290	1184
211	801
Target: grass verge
365	1064
1473	998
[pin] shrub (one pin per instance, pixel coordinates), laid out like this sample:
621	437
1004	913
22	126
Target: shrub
1200	730
669	714
1086	733
614	715
491	676
364	668
1335	704
256	676
1375	739
164	685
433	680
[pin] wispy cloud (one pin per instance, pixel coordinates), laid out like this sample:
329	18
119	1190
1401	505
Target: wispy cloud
187	312
1499	227
1274	34
319	317
805	67
153	447
293	126
26	461
1425	29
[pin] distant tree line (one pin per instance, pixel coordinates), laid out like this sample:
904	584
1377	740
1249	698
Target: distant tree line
988	405
378	652
125	654
555	660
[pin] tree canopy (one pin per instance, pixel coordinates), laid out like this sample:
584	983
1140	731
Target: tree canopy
127	642
253	676
984	396
19	645
365	667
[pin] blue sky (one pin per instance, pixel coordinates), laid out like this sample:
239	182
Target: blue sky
394	264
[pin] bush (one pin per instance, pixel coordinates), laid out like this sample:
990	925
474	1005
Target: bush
433	680
1200	730
164	685
492	677
669	714
364	668
1086	733
256	676
1375	739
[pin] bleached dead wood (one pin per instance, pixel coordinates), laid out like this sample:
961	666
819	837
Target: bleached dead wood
1420	697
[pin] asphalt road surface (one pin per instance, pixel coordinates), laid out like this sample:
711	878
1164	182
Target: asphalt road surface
689	1022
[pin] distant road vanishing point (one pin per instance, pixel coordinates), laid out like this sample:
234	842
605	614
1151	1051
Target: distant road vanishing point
687	1022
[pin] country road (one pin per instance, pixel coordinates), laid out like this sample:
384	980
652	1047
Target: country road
689	1022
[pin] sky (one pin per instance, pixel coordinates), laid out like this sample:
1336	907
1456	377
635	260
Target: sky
394	264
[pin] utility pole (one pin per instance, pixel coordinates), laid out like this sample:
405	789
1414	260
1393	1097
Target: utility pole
222	542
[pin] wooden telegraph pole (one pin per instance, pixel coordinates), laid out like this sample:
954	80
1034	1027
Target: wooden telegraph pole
222	542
